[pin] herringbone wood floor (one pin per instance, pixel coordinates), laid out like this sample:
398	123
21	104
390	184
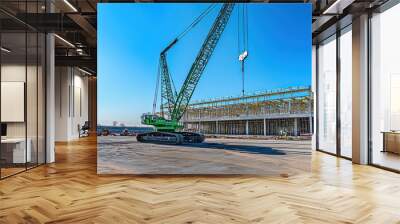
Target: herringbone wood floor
69	191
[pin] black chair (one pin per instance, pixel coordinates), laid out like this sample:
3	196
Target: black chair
84	130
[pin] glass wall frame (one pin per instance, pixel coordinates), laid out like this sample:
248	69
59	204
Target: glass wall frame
327	91
380	87
384	87
22	62
345	92
339	74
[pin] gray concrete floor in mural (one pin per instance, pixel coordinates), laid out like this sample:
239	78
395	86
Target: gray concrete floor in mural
124	155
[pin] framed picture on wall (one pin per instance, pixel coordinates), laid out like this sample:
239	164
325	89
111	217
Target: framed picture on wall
12	101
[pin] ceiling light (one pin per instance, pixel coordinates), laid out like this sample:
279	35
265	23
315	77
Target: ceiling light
337	7
79	51
64	40
84	71
70	5
333	6
5	50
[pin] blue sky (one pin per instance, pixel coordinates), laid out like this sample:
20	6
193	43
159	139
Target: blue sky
131	37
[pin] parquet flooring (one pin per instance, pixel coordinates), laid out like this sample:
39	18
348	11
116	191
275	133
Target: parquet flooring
70	191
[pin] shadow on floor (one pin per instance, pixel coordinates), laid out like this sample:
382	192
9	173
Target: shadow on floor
240	148
251	149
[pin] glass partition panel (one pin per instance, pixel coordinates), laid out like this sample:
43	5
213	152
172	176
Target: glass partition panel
14	153
41	98
31	97
385	87
327	95
346	92
22	88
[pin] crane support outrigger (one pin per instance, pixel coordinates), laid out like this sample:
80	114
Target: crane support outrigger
168	129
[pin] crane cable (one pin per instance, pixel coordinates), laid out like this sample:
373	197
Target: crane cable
191	26
246	25
196	21
243	37
242	28
173	86
238	31
156	92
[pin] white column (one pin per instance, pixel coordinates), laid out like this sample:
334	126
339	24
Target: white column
216	127
295	127
265	127
360	90
247	127
50	99
92	104
310	121
314	91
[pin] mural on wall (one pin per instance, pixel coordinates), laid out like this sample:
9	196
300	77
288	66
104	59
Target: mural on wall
206	89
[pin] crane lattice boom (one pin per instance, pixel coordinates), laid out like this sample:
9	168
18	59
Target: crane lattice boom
177	103
167	92
195	72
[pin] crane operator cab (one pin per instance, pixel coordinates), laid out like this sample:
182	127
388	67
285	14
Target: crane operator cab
148	118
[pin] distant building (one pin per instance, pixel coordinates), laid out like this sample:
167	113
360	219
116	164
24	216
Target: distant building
276	112
115	123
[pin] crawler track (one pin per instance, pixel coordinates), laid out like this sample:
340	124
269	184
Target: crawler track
174	138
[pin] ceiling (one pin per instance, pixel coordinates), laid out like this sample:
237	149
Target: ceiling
75	23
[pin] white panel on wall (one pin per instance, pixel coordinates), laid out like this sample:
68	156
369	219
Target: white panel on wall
77	101
12	101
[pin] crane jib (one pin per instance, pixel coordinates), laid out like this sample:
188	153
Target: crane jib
169	46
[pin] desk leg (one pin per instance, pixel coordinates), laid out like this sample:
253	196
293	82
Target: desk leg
384	142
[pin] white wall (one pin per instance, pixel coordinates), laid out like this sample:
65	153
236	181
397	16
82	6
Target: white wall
80	112
71	103
12	73
17	73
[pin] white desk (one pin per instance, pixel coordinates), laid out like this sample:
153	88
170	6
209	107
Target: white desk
18	151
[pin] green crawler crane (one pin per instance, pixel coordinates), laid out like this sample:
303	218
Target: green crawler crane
168	125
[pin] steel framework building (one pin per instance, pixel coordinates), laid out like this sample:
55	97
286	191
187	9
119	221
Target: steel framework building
286	111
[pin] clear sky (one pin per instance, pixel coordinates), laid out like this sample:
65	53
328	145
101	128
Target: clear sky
131	37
